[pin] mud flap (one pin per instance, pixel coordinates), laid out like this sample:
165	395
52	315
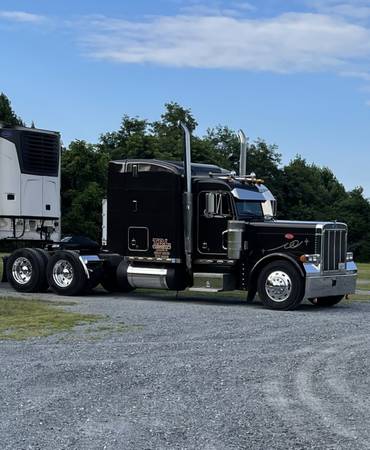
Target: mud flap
4	278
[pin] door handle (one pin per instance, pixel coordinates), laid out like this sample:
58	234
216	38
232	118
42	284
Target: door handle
224	247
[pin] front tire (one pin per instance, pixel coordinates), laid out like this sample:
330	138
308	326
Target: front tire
327	302
280	286
66	274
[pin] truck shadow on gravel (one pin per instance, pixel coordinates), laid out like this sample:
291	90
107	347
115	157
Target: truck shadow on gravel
221	299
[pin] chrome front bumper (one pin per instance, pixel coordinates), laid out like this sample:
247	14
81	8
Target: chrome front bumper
330	284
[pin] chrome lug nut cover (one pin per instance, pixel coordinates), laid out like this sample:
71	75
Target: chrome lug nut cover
63	273
22	270
278	286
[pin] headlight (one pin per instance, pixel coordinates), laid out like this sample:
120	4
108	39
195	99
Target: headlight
349	256
314	259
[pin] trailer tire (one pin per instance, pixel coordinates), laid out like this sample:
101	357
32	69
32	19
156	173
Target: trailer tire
66	274
326	302
45	256
25	270
280	286
121	277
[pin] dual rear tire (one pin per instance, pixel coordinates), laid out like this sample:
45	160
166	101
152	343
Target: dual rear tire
26	270
66	274
34	270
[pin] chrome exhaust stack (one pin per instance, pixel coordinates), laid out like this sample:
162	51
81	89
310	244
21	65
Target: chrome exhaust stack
187	201
243	153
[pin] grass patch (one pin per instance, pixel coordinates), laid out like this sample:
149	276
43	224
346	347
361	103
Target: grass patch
359	297
363	271
22	319
363	287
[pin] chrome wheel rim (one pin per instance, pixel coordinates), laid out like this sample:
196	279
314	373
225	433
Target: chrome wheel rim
278	286
63	273
22	270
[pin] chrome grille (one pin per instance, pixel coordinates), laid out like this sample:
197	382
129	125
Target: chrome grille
333	248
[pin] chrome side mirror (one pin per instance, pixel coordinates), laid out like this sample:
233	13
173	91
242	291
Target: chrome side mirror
210	204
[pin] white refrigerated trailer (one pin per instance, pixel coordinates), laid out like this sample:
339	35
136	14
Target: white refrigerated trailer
29	185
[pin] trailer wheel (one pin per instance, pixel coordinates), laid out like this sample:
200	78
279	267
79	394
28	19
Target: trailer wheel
280	286
25	269
66	274
326	302
45	256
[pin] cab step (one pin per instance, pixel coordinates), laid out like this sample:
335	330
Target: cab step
212	282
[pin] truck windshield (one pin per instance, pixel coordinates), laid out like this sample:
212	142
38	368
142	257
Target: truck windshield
247	209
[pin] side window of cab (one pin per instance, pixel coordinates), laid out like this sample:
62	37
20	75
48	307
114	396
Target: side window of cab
215	204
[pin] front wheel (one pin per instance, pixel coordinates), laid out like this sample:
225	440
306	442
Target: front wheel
280	286
326	301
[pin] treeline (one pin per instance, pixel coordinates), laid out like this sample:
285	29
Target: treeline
304	191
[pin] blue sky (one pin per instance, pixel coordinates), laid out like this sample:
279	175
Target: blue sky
296	73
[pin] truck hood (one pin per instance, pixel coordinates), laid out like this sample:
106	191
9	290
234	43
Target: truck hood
285	236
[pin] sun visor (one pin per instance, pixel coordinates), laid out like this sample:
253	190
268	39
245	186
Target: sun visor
246	194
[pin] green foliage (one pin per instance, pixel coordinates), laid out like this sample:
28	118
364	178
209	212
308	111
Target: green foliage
7	114
84	173
309	192
354	209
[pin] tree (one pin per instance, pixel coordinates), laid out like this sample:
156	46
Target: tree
309	192
354	210
84	175
132	140
7	114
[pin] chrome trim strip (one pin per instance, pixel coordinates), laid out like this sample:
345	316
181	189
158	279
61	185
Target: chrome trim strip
154	260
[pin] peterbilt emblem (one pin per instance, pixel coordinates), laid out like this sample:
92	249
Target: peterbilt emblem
289	236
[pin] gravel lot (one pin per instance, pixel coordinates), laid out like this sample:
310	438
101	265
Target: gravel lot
164	373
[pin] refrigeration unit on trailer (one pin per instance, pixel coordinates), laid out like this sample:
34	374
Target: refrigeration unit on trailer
177	225
29	185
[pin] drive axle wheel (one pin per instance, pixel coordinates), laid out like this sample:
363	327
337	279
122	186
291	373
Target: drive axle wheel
280	286
66	274
25	270
326	302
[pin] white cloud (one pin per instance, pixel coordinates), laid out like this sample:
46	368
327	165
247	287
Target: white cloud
355	9
286	43
21	16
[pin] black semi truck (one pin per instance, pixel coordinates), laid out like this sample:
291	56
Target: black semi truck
177	225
